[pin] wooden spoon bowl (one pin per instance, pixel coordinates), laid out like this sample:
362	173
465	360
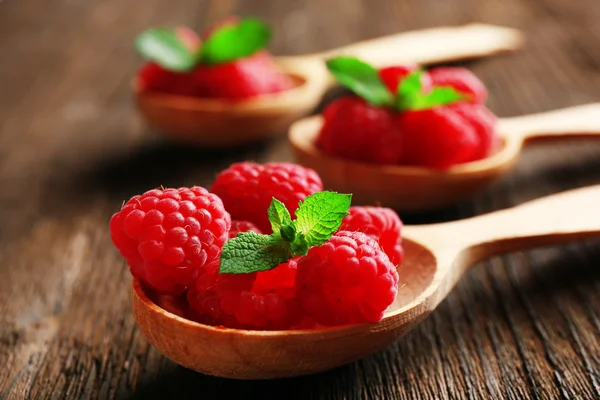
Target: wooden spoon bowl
221	123
407	188
436	256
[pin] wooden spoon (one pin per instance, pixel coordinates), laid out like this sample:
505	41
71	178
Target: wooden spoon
436	257
407	188
220	123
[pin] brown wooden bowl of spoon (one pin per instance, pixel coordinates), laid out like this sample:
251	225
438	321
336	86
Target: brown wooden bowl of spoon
222	123
436	256
408	188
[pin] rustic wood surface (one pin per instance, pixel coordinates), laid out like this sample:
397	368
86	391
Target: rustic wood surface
521	326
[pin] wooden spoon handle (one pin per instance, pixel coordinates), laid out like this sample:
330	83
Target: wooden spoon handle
554	219
433	45
580	121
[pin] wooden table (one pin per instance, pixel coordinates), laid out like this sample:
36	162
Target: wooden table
72	149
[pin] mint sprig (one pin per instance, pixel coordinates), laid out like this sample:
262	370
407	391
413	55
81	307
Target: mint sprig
361	78
317	218
364	81
227	43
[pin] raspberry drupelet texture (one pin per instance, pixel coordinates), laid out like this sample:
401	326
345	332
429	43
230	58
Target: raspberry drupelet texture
247	189
348	279
380	223
168	236
259	300
242	226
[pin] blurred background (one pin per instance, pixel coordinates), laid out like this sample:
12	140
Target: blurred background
73	148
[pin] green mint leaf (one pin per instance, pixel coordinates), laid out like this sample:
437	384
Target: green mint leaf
410	95
251	252
288	233
279	216
361	78
320	215
409	90
164	47
231	42
411	84
440	96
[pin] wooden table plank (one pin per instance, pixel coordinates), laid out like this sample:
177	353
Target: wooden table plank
520	326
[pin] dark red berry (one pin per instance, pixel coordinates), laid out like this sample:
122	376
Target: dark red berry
355	130
154	78
240	79
349	279
437	138
260	300
247	189
168	236
484	123
380	223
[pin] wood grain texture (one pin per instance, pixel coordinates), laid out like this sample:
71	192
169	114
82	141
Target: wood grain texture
522	326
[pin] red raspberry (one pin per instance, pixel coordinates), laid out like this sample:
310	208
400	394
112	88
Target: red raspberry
247	189
484	123
380	223
437	138
168	236
242	78
392	76
349	279
242	226
462	80
260	300
354	129
154	78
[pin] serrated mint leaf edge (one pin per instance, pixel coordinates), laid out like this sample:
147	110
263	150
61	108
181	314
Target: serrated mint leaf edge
306	224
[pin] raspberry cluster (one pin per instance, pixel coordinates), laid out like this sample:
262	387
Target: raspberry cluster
211	68
447	131
173	241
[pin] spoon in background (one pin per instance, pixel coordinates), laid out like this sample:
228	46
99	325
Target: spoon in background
436	256
220	123
410	188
